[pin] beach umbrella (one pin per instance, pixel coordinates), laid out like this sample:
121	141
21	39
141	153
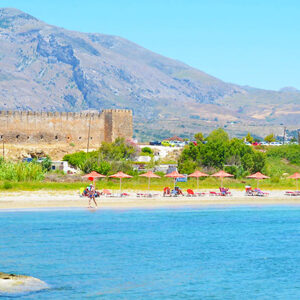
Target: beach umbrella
295	176
198	174
91	176
175	175
258	176
222	174
120	175
149	175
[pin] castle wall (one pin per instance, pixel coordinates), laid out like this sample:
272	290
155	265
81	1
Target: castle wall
49	127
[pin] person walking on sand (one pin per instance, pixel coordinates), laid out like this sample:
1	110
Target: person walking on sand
92	192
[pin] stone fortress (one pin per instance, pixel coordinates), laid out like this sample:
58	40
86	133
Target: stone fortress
17	127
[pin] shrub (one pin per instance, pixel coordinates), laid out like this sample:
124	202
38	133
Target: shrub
288	152
7	185
147	150
110	157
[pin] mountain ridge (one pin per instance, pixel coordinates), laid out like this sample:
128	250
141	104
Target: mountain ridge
44	67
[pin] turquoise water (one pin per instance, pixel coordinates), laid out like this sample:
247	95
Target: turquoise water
211	253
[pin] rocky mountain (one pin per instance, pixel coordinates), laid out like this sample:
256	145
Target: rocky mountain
44	67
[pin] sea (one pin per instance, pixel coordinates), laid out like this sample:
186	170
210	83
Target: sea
184	253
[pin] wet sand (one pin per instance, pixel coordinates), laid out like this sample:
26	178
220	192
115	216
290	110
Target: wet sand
43	199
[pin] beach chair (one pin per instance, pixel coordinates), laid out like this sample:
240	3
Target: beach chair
292	193
213	193
81	191
260	193
190	193
224	192
140	195
167	192
106	192
248	191
174	193
146	195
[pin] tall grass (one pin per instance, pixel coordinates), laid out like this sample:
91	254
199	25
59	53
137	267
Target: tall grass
19	171
141	184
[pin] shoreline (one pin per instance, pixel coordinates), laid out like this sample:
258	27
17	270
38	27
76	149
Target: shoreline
52	200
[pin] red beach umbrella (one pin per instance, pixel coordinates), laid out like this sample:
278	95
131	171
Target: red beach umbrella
120	175
175	175
91	176
149	175
295	176
222	174
258	176
198	174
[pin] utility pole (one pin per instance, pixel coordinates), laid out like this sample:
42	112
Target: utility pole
3	149
89	131
284	132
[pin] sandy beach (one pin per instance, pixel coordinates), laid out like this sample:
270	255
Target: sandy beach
71	199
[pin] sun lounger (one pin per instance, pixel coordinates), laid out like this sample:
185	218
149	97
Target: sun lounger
140	195
224	192
106	192
167	192
292	193
146	195
260	193
117	195
81	190
191	193
212	193
249	191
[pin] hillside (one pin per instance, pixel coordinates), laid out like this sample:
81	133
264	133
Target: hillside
43	67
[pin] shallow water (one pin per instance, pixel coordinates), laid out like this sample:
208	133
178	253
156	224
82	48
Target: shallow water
211	253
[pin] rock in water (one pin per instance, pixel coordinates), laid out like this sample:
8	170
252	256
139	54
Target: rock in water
12	283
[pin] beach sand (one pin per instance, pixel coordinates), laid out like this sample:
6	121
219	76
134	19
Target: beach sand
71	199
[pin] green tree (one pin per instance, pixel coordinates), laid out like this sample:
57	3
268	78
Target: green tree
187	166
46	163
220	151
293	139
218	135
199	137
270	138
249	138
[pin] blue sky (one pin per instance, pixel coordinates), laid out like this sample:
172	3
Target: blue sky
254	42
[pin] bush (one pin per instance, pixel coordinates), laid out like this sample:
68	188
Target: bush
110	158
147	150
288	152
7	185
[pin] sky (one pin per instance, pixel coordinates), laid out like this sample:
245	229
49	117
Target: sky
247	42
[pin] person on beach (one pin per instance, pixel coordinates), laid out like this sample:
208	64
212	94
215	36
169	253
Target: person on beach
91	195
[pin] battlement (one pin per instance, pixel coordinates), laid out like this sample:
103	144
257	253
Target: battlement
117	111
51	114
32	126
62	114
